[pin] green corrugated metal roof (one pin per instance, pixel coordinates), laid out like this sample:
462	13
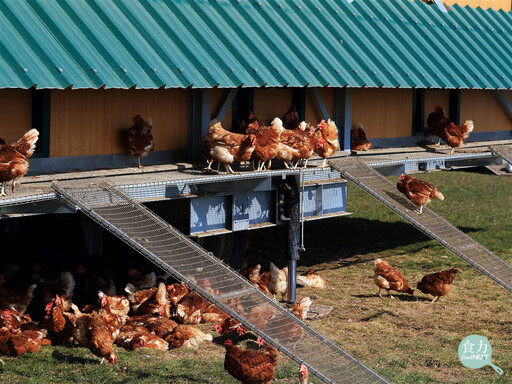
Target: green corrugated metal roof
254	43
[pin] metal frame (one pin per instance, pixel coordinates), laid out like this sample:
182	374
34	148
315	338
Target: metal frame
163	245
429	222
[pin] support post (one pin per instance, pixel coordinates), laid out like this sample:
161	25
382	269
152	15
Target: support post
41	104
293	234
320	103
342	116
199	116
236	259
504	103
454	113
418	114
223	108
93	236
299	100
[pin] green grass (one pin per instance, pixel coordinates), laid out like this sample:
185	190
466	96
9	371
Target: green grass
406	340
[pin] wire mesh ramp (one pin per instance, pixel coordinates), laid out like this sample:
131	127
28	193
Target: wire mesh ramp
186	261
503	151
428	222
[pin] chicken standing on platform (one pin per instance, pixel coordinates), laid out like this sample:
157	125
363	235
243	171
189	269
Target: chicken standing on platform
418	191
227	147
454	135
14	158
331	144
435	122
140	138
358	139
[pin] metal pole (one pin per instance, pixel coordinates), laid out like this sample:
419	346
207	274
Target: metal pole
293	234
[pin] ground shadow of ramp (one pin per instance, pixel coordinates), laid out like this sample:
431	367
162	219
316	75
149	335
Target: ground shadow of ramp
428	222
177	255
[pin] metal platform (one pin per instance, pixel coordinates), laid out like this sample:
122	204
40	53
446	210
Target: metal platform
174	253
429	223
503	151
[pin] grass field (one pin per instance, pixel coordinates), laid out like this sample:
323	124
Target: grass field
406	340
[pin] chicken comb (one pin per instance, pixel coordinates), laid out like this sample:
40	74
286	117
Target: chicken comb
218	328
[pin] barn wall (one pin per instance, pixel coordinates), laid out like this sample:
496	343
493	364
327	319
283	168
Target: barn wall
313	114
494	4
482	107
93	122
270	103
16	112
433	98
384	113
217	97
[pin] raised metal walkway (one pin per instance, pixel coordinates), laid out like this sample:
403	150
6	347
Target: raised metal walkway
428	222
186	261
503	151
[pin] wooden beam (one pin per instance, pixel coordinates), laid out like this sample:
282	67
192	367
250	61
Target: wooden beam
504	103
320	103
226	103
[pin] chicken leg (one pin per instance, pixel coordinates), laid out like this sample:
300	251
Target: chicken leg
138	160
2	193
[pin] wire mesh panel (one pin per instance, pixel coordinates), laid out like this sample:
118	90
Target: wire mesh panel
177	255
503	151
428	222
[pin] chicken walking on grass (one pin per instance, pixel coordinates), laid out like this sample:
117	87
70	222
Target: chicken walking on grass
437	284
250	366
389	278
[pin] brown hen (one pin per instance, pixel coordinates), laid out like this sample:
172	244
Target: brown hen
389	278
250	366
140	138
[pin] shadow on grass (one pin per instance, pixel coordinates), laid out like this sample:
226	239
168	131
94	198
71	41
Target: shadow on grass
342	239
71	359
399	297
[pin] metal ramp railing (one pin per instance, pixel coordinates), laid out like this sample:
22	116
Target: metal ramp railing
186	261
503	151
428	222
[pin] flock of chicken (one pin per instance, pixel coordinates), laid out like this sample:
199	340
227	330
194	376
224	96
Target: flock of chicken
437	284
150	314
286	139
164	316
438	125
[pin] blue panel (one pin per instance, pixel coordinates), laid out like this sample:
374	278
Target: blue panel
241	205
261	207
334	198
208	213
311	195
